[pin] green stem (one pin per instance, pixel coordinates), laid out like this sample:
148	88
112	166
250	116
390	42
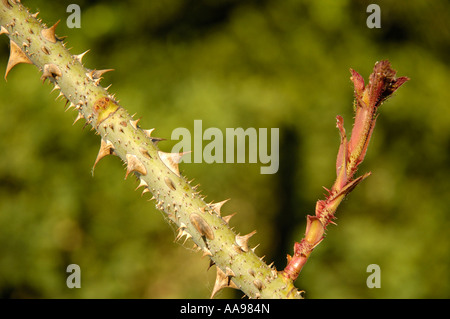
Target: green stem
237	265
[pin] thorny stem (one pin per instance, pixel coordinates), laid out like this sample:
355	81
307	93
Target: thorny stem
237	265
382	84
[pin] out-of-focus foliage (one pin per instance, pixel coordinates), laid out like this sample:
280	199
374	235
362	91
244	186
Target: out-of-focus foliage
232	64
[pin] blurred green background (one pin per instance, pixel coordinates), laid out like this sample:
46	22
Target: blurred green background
232	64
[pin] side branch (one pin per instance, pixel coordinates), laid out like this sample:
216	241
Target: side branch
382	84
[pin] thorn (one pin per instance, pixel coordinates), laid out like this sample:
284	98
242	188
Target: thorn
71	105
182	233
206	252
332	222
149	132
79	57
49	33
145	152
288	258
3	30
254	248
217	206
170	183
328	191
97	74
228	217
6	4
134	123
34	15
222	281
237	249
211	263
242	241
202	226
59	95
155	140
79	105
203	209
171	160
142	183
229	272
86	124
56	87
135	165
16	56
106	148
274	273
258	284
79	117
45	50
50	70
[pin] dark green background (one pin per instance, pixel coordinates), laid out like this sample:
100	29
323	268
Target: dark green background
232	64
